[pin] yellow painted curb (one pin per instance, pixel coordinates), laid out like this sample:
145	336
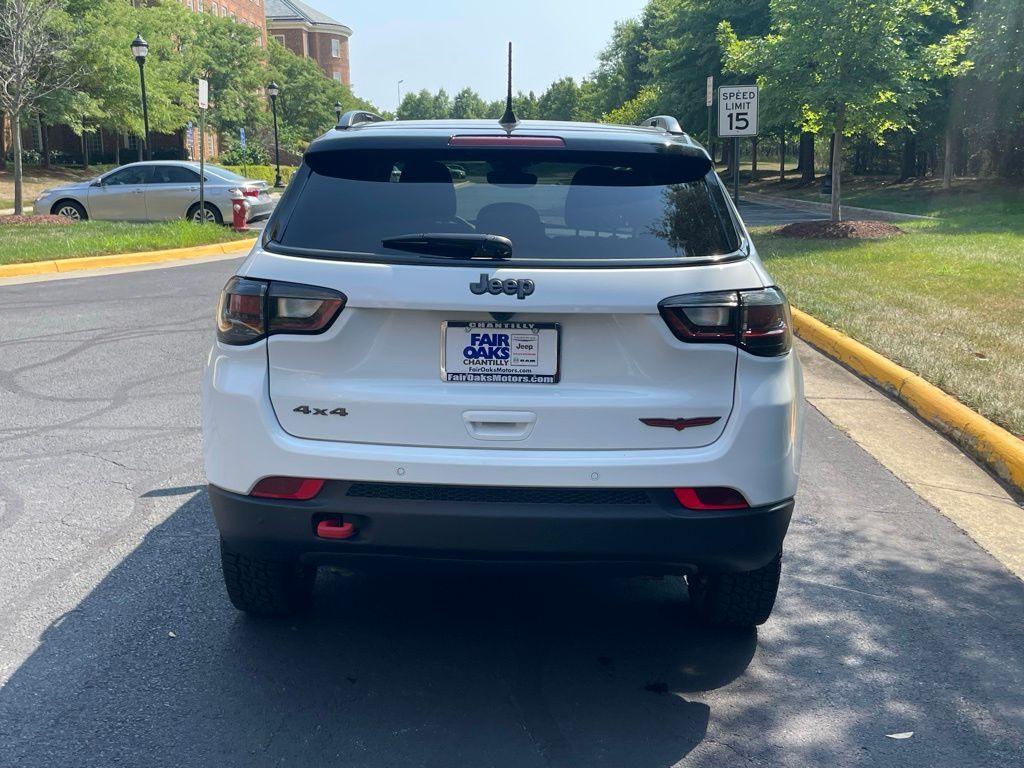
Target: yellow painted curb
123	259
986	441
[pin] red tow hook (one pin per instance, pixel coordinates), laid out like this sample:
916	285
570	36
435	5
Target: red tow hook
335	528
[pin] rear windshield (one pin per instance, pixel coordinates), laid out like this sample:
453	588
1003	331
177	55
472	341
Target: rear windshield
224	173
555	206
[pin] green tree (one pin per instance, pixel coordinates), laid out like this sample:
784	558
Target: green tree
468	105
850	63
993	91
637	109
306	104
526	106
684	50
232	60
34	65
423	105
109	85
561	101
623	69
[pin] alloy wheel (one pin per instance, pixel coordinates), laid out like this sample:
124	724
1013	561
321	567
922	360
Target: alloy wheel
209	215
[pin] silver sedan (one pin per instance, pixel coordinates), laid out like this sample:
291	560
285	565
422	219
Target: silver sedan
157	191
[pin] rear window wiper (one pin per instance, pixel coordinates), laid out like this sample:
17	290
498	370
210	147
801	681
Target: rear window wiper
454	245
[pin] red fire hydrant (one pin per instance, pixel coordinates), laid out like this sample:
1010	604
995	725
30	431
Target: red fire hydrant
239	211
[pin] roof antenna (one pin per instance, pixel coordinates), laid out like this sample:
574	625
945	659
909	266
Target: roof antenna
509	120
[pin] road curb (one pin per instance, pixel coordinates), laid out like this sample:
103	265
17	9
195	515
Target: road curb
981	438
122	259
849	211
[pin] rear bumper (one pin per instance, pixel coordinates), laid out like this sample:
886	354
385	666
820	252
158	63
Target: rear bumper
758	454
260	209
631	530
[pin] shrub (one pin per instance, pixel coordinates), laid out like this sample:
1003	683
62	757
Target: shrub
263	172
251	154
28	157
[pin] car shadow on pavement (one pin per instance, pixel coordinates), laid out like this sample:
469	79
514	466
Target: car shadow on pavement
154	667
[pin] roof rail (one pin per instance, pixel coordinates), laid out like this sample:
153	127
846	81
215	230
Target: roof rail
357	116
665	122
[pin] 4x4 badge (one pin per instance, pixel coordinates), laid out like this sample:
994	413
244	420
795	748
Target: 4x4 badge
518	288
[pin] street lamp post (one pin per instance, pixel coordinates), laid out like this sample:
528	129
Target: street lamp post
399	95
140	48
337	110
272	91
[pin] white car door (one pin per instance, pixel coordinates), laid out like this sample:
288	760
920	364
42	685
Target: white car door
171	191
121	194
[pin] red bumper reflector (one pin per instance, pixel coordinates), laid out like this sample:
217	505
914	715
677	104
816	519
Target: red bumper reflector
296	488
506	141
335	528
711	498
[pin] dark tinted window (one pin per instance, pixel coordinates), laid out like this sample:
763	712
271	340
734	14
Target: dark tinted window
553	205
174	174
138	174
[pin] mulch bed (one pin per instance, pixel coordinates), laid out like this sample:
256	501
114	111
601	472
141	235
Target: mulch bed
836	230
44	220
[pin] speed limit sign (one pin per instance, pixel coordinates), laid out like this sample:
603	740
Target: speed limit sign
737	110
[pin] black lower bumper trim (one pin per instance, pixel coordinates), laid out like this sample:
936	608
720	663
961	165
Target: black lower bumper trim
642	530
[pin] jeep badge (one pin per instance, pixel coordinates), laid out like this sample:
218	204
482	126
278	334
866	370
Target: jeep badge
518	288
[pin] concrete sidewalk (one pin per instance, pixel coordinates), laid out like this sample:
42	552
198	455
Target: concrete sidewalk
933	467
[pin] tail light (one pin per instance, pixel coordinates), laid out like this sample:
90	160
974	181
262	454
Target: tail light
713	498
241	316
245	191
756	321
295	488
251	310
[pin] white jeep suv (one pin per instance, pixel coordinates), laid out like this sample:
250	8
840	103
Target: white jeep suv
565	353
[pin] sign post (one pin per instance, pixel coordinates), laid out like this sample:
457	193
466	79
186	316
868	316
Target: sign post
737	116
204	103
709	99
241	143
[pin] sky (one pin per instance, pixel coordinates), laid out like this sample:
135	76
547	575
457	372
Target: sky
451	44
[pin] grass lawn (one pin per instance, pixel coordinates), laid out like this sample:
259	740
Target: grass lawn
21	243
38	179
944	300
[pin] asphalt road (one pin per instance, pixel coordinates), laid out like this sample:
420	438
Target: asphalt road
763	214
118	646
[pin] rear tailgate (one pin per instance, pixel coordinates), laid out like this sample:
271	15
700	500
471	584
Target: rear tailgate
376	375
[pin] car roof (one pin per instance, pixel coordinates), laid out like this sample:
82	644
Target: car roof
190	164
606	137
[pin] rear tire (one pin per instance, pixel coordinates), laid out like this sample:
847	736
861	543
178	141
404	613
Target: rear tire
212	214
736	599
263	587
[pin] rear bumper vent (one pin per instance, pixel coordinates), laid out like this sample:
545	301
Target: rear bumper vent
501	495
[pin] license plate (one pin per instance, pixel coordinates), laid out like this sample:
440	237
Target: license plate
509	353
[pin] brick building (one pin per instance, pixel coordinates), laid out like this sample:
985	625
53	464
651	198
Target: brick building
308	32
248	12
